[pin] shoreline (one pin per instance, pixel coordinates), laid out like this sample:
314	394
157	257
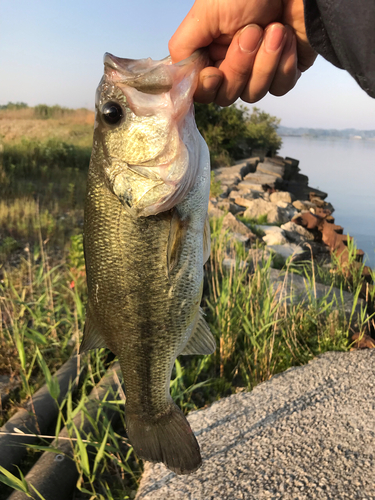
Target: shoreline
293	219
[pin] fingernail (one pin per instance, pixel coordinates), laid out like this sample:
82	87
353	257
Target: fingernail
211	83
274	37
250	38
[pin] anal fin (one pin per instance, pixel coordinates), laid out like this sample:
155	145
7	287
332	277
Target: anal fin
201	341
92	339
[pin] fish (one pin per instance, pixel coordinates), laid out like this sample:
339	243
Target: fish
146	240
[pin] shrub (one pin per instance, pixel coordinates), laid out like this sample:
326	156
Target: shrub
232	133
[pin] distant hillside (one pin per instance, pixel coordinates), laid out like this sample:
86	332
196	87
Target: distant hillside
348	133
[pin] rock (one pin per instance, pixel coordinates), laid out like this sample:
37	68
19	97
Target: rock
308	220
244	202
241	196
289	250
226	189
297	233
228	179
296	289
293	162
318	202
301	179
246	166
303	205
274	235
271	169
325	213
261	207
233	208
288	210
237	171
301	190
237	229
289	170
281	196
275	239
215	212
307	433
262	179
227	175
223	205
281	204
249	186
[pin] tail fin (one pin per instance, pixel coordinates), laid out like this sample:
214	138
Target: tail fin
168	439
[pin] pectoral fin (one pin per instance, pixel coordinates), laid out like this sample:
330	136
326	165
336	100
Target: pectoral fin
92	338
176	238
201	341
145	172
206	240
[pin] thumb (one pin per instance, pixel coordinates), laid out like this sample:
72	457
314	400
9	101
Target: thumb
306	54
193	33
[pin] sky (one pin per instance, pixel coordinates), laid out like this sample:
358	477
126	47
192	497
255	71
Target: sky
51	52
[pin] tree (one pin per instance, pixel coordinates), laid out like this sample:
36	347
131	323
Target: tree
262	131
231	133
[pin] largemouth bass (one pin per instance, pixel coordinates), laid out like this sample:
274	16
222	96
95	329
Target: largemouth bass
146	239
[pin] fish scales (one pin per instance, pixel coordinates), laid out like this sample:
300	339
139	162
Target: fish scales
144	312
144	259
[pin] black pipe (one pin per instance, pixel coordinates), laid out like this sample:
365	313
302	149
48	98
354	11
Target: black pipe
12	447
55	475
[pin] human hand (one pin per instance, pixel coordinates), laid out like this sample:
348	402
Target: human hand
247	60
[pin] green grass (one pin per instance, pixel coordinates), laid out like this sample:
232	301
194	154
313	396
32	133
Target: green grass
215	187
42	305
257	337
253	223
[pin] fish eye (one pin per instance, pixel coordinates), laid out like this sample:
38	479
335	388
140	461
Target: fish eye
112	112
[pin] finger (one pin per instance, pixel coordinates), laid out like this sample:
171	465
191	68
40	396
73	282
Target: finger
265	64
217	52
193	33
293	15
306	55
287	73
210	79
238	63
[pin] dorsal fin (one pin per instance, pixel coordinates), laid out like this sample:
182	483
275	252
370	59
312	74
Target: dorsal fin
201	341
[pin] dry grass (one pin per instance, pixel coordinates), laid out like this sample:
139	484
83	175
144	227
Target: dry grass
75	128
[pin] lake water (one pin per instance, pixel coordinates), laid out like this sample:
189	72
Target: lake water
345	169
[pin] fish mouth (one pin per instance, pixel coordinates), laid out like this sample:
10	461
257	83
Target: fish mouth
142	74
147	75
